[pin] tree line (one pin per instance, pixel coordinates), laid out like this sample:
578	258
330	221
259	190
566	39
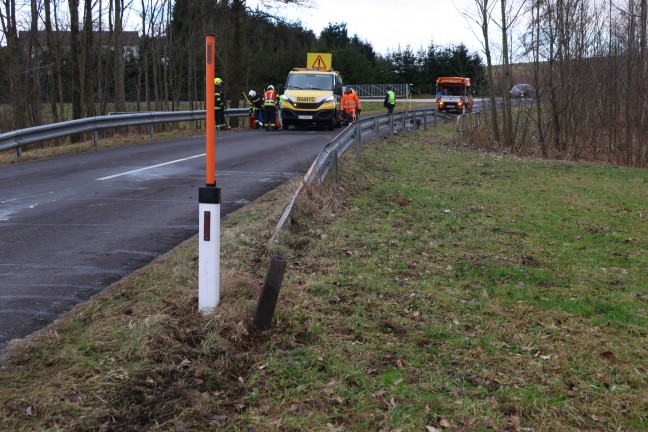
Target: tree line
68	60
586	60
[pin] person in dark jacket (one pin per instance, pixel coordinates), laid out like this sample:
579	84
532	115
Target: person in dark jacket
256	106
219	105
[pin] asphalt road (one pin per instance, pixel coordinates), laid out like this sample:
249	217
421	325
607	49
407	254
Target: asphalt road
70	226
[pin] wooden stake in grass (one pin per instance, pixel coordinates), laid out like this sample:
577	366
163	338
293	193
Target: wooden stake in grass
269	293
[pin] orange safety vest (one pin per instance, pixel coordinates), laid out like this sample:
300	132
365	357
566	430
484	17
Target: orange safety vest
350	102
270	98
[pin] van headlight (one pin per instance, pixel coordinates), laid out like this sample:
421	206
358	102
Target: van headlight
325	99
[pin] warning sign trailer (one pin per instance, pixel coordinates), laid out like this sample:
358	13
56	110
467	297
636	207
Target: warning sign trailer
312	94
321	61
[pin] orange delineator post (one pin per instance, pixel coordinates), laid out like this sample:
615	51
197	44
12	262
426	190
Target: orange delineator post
209	199
210	71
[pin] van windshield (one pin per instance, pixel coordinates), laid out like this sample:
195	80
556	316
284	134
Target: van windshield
309	82
451	90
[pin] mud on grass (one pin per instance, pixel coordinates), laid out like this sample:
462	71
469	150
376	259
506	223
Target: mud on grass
435	287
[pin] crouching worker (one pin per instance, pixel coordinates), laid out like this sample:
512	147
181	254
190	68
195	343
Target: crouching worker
256	108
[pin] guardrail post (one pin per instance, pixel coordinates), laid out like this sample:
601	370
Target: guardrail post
377	130
391	128
19	151
269	293
435	117
358	140
425	120
151	130
334	165
95	137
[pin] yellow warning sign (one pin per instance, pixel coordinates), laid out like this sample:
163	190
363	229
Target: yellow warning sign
322	61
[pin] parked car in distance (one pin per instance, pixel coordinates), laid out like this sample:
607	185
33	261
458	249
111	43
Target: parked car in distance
522	90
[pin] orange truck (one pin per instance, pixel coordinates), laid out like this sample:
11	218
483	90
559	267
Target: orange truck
454	94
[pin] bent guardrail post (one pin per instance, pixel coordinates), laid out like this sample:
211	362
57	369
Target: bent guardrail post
270	293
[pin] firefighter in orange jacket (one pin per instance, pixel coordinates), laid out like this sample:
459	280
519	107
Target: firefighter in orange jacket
270	106
350	103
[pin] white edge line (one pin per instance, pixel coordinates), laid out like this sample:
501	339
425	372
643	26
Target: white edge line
150	167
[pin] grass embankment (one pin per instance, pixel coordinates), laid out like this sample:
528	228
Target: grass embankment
435	288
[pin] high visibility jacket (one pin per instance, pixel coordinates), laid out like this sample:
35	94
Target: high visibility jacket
219	98
350	102
390	98
270	98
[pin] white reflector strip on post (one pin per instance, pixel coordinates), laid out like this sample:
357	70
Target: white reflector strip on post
209	257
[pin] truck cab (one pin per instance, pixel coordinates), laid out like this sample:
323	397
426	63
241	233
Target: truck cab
311	97
454	94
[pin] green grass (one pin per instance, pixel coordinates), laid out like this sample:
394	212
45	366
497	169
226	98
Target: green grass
436	286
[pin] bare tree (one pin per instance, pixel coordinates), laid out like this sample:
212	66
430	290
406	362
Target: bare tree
120	94
74	58
33	83
483	17
52	58
15	67
88	69
507	126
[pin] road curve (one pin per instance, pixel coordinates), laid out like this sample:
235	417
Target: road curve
72	225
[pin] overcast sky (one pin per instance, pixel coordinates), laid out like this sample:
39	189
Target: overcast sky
386	24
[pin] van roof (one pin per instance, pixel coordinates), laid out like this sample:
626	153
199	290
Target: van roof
453	80
307	70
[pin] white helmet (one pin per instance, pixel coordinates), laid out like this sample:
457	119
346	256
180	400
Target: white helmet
270	87
252	93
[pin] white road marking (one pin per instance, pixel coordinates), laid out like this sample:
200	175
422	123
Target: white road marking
151	167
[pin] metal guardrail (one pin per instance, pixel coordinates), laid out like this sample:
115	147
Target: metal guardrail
378	126
378	91
468	121
16	139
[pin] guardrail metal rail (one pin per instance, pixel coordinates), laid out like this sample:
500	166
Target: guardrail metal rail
16	139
